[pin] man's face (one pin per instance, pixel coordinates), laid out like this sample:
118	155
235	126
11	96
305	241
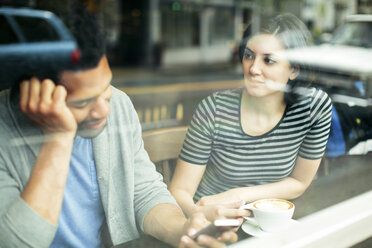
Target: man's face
88	96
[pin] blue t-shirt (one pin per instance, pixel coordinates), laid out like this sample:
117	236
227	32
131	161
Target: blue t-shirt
82	215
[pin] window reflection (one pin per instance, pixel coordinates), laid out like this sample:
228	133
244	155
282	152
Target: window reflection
169	55
354	34
180	25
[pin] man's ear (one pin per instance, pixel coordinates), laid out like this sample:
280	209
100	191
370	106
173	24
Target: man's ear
295	71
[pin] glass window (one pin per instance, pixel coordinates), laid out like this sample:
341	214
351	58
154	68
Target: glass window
354	34
180	25
36	29
221	26
7	35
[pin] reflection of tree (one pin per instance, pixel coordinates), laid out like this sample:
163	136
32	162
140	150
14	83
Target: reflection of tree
108	10
58	7
61	6
94	5
111	21
364	6
110	16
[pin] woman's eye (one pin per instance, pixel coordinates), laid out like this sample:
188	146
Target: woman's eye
248	55
269	60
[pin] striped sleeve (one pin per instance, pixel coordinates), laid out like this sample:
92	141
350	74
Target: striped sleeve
314	144
199	138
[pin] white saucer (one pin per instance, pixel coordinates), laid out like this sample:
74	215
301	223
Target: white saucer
257	232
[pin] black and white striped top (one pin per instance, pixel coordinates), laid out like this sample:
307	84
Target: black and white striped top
235	159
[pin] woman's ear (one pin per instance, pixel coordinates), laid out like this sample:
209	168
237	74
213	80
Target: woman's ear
295	71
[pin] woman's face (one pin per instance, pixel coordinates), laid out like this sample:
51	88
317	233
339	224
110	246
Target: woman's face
265	73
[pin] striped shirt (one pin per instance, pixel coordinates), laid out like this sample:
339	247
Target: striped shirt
235	159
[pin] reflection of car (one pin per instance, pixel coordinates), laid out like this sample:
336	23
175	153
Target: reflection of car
357	32
343	68
33	42
345	60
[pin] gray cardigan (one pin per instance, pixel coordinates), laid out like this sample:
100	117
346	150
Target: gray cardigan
128	182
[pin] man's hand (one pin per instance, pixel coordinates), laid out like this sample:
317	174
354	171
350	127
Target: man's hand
196	223
45	104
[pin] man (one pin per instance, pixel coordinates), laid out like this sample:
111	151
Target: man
73	170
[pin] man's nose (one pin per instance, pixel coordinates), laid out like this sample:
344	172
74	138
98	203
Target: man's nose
101	108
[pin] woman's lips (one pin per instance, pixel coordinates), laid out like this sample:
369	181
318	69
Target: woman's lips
256	82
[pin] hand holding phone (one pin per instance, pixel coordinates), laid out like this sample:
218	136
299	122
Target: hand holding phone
216	228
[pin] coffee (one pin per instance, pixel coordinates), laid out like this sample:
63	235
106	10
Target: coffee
270	215
273	205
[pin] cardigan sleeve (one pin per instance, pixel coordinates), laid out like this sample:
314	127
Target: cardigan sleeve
149	188
20	225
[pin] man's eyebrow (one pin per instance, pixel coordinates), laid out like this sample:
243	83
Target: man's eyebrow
86	99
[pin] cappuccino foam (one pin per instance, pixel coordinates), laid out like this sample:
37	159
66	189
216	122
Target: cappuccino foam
272	205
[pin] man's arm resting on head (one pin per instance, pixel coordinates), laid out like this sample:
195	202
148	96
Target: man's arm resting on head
44	103
44	190
41	199
29	218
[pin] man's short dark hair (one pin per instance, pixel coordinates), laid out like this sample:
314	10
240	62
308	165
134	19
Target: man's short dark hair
85	28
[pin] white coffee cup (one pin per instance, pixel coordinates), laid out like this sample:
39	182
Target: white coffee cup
271	215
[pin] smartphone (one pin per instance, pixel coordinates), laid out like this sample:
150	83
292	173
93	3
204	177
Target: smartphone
216	228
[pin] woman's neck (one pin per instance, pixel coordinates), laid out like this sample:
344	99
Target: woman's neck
269	105
259	115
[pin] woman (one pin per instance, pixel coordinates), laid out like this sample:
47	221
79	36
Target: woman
265	140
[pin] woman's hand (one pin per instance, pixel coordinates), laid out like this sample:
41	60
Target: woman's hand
195	224
228	210
221	198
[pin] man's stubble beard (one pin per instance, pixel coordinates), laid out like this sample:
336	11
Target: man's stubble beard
88	133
